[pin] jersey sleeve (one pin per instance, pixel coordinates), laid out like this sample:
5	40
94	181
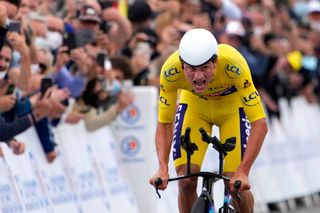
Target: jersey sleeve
237	70
170	76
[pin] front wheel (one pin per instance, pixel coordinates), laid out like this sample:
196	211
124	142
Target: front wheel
226	209
201	205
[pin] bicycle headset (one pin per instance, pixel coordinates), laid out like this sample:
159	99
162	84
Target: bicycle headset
197	47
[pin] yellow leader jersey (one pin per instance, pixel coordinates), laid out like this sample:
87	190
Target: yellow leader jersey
232	75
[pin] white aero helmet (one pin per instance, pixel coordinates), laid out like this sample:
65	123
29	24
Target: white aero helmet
197	47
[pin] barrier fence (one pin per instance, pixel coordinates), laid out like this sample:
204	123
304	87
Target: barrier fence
108	170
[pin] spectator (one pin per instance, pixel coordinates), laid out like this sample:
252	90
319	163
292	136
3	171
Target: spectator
102	106
140	14
118	29
120	66
3	27
11	7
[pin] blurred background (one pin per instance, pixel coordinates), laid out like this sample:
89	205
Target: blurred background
79	82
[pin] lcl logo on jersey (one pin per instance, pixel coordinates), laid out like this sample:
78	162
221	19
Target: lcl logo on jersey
170	74
246	84
231	70
162	88
250	99
164	101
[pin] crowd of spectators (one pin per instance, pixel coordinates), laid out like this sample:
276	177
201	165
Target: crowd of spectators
87	50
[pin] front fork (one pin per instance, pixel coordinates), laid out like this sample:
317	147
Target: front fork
226	208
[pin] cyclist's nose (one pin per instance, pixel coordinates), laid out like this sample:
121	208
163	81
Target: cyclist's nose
198	74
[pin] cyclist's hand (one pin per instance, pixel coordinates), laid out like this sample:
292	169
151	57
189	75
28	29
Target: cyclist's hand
164	176
243	178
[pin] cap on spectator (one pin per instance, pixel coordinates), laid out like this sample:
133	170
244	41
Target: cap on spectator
295	60
88	13
314	7
235	28
139	11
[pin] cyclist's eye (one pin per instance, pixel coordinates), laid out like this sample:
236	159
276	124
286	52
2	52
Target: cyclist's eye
205	68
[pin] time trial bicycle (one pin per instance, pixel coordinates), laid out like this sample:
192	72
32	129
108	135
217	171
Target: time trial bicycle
205	202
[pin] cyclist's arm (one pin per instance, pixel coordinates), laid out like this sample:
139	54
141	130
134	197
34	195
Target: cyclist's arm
163	144
254	144
240	76
254	111
170	81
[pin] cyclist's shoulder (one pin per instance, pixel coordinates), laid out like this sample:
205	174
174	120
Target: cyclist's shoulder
171	71
172	60
231	62
229	53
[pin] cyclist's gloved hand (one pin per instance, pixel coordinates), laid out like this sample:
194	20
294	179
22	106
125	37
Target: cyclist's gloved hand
163	175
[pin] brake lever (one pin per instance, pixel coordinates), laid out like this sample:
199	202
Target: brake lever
237	186
157	182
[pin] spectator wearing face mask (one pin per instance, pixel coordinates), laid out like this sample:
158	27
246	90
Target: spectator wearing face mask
55	32
102	106
86	26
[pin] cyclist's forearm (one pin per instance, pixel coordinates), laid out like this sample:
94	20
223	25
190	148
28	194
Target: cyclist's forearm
254	144
163	143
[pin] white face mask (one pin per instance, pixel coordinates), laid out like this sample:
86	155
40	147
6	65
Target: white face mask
16	58
34	68
315	25
310	63
113	87
40	42
54	40
2	74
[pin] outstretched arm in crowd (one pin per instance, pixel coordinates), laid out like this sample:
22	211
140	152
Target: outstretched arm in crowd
21	77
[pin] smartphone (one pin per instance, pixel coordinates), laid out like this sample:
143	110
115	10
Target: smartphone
69	40
105	26
14	26
46	83
108	3
101	56
10	89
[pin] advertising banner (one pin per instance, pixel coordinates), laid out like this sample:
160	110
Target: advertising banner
73	143
27	179
134	130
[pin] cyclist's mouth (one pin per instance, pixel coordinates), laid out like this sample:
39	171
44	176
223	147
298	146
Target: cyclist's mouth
199	85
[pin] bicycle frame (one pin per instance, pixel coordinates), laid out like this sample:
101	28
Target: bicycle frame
206	196
205	202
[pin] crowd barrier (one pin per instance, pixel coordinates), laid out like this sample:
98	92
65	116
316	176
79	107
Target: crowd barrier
108	170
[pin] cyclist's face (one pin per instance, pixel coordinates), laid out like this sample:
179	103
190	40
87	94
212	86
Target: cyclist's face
200	76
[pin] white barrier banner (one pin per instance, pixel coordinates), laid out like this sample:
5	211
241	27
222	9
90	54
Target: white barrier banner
9	198
285	167
26	176
102	152
307	117
135	132
73	143
52	175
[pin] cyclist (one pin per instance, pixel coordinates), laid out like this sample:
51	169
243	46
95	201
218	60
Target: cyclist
213	86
